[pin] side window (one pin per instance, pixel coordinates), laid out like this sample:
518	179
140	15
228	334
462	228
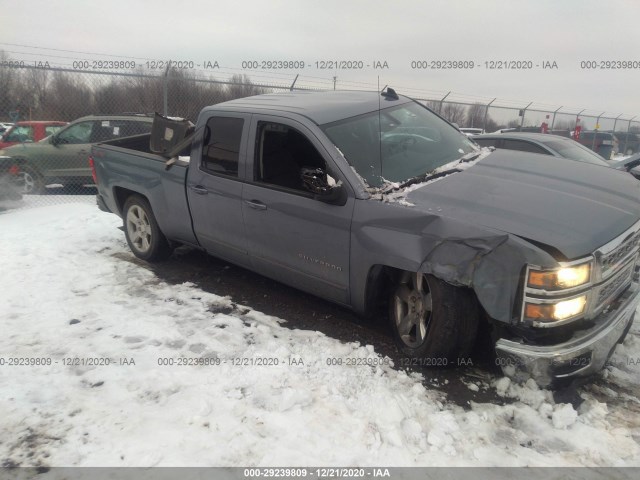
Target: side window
77	133
282	154
51	129
523	146
20	133
127	128
486	142
221	145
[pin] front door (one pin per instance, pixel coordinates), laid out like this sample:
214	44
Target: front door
292	236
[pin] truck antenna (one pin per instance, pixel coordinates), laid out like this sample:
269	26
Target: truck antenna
294	82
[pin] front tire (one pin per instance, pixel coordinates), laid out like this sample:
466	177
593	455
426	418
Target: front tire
433	320
141	229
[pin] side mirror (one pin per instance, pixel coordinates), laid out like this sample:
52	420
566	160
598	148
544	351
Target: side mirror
54	140
317	182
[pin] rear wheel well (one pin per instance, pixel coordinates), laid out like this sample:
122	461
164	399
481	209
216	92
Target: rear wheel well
120	194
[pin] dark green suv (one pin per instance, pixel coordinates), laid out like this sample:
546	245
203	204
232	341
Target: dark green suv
62	158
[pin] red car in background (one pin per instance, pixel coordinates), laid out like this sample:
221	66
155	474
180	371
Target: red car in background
29	131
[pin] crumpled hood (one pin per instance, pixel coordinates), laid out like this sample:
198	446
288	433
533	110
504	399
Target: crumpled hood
571	206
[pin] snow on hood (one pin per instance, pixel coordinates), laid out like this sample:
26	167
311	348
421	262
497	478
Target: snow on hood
390	192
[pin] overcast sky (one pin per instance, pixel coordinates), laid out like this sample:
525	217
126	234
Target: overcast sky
398	32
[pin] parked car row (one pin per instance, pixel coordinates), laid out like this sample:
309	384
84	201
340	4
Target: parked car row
605	144
29	131
51	152
543	143
62	156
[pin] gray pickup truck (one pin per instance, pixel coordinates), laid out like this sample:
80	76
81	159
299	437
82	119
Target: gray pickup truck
375	202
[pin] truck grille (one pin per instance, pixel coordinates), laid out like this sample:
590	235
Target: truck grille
609	261
617	262
610	290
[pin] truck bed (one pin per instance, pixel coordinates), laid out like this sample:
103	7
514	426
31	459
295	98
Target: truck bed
127	165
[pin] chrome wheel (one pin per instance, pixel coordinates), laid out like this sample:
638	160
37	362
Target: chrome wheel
139	228
411	308
26	182
29	181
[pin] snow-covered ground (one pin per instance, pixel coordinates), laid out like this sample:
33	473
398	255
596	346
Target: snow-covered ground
258	394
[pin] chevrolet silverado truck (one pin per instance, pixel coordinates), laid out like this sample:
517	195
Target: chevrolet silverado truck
374	202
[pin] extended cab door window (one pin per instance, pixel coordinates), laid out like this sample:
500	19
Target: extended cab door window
214	186
221	145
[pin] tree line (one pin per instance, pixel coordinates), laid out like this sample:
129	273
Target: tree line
41	94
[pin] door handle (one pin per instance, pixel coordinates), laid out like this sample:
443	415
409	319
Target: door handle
199	189
256	204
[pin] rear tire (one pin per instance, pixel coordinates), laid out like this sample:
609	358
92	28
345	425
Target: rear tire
141	229
30	181
433	321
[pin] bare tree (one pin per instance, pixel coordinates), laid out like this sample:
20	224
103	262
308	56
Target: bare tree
433	105
241	87
8	80
476	115
453	112
69	97
564	124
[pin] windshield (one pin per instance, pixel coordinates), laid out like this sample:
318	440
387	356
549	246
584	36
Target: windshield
575	151
397	143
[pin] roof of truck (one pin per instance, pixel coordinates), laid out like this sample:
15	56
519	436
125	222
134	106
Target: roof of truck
320	107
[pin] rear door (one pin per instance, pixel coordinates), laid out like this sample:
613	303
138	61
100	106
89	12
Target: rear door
215	185
292	236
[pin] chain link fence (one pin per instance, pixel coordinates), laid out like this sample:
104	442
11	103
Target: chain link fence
497	115
57	113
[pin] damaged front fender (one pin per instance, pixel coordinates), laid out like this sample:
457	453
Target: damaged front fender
488	261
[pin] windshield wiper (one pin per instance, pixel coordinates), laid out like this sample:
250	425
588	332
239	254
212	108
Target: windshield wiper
427	176
469	157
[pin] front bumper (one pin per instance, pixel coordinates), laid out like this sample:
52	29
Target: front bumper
583	355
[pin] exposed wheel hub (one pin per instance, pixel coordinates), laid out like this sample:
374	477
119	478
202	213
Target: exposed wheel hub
412	309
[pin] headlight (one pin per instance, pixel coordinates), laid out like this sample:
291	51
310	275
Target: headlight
552	312
565	277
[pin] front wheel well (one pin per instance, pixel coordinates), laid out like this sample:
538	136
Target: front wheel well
380	282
